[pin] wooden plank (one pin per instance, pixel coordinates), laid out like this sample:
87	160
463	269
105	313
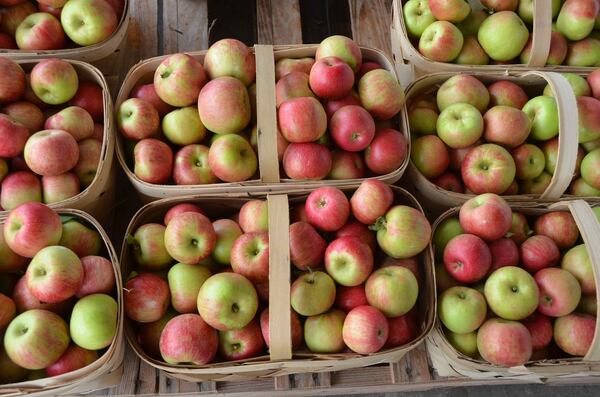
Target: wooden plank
323	18
185	26
278	22
147	379
371	21
232	19
282	382
131	369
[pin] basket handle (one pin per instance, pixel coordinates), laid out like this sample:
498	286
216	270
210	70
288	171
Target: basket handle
266	114
542	31
404	71
280	338
568	141
590	230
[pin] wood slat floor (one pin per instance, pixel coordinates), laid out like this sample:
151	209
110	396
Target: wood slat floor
167	26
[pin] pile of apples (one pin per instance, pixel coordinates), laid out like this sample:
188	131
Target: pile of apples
209	280
508	293
469	138
335	114
58	310
43	24
50	132
453	31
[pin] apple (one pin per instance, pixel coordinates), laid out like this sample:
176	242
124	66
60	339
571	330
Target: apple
467	258
450	10
577	262
538	252
307	161
460	125
578	84
98	276
137	119
90	97
230	57
307	247
463	343
293	85
148	335
472	53
88	22
227	232
574	333
90	153
10	260
250	256
507	93
35	339
183	126
331	78
14	14
583	53
487	216
463	88
13	136
511	293
224	105
356	229
587	305
443	279
540	328
40	31
588	168
25	301
240	344
153	161
341	47
333	105
179	79
352	128
403	232
296	328
10	372
371	200
347	298
190	238
54	274
430	155
506	126
529	161
54	81
387	151
327	208
18	188
365	330
543	113
393	290
381	94
417	16
526	9
558	49
146	298
8	310
536	185
31	227
323	332
184	283
593	80
559	292
302	119
441	42
312	293
500	5
148	245
580	188
232	159
504	253
191	167
422	120
187	338
81	239
179	208
505	343
72	359
349	261
285	66
346	165
462	310
51	152
589	121
445	231
25	113
60	187
488	168
576	18
147	93
503	35
254	216
559	226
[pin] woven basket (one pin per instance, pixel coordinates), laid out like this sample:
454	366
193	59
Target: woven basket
435	196
449	362
88	54
107	370
280	360
97	199
269	179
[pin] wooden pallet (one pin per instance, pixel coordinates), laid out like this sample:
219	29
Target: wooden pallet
167	26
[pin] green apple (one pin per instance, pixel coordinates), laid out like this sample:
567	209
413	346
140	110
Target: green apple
81	239
88	22
577	262
462	309
417	16
583	53
590	168
227	232
232	159
148	245
543	113
529	161
460	125
93	322
421	120
183	126
54	81
393	290
511	293
441	42
36	338
463	88
464	343
472	53
227	301
503	35
312	293
577	18
581	189
402	232
525	9
470	25
579	84
323	332
444	232
184	283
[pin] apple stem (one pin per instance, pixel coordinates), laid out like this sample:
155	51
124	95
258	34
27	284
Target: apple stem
379	224
131	240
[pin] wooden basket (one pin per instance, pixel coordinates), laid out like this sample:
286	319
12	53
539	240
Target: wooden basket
97	199
280	360
88	54
107	370
567	137
403	48
449	362
268	163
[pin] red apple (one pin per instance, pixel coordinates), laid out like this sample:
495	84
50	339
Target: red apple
190	238
488	168
243	343
506	126
559	292
98	276
296	331
27	114
72	359
254	216
18	188
449	181
40	31
147	92
574	333
538	252
302	120
13	135
346	165
31	227
224	105
331	78
487	216
306	161
504	253
559	226
507	93
51	152
348	261
292	85
307	247
503	342
24	300
153	161
188	339
179	208
352	128
327	208
137	119
347	298
365	330
146	298
190	166
356	229
7	311
178	80
332	105
540	328
403	329
467	258
10	260
371	200
90	97
250	256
